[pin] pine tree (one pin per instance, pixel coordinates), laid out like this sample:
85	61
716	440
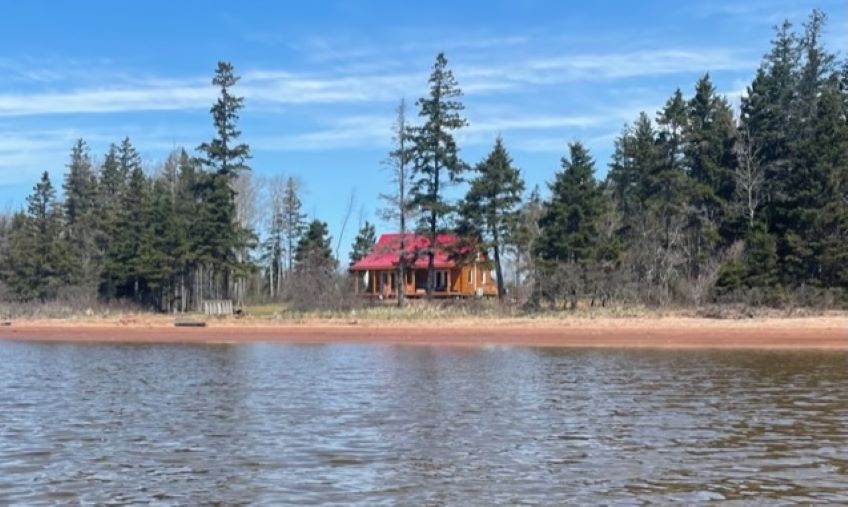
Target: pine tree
226	158
363	243
436	155
767	115
651	194
224	154
313	249
110	191
156	258
187	204
569	225
39	261
491	203
711	162
82	218
122	263
294	220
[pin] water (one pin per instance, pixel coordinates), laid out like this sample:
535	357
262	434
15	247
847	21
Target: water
354	424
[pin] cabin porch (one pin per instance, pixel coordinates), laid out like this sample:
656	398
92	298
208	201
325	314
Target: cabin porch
382	283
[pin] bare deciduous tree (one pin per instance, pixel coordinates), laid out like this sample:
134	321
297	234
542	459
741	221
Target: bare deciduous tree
749	177
399	204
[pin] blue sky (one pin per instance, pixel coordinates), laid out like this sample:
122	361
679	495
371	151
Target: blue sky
321	79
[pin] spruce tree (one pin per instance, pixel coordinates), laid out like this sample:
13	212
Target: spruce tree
39	260
567	246
711	162
436	161
225	157
363	243
110	191
313	250
122	266
294	220
82	218
491	203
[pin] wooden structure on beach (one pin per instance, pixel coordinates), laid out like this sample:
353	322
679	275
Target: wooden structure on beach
217	306
460	270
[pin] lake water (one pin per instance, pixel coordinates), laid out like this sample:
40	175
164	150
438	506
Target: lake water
361	424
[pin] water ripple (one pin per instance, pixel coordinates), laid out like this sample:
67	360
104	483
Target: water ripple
345	424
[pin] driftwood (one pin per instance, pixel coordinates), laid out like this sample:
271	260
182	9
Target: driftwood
189	323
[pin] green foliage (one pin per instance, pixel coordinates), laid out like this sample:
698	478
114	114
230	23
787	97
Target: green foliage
363	243
39	259
224	154
82	219
570	219
294	220
435	156
313	250
568	247
490	207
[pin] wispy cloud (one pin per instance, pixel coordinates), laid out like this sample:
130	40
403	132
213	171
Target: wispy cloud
274	86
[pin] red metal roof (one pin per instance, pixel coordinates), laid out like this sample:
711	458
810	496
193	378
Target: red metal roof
386	253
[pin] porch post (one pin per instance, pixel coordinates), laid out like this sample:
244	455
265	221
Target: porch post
448	288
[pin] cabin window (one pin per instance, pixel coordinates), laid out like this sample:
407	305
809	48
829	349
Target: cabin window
441	280
471	276
484	277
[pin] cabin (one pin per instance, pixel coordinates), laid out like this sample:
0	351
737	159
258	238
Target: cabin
460	272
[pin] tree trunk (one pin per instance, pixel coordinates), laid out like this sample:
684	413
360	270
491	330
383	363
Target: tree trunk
498	270
401	272
431	258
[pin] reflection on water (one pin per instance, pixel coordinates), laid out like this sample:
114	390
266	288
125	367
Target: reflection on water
415	425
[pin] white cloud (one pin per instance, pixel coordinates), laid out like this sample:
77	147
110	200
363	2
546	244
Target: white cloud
274	86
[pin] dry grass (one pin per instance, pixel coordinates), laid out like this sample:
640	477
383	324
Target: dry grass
455	313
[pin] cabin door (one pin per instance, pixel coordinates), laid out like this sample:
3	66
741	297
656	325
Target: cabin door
387	283
441	280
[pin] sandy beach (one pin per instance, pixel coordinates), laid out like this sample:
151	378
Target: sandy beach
822	332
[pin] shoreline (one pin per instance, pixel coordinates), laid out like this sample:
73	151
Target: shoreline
813	333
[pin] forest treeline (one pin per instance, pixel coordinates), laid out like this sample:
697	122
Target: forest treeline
701	203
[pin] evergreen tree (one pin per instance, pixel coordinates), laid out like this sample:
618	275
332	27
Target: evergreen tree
128	159
651	194
187	203
313	249
491	202
225	157
436	159
39	261
111	189
569	239
711	161
122	267
363	243
224	154
767	116
82	218
156	258
294	220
